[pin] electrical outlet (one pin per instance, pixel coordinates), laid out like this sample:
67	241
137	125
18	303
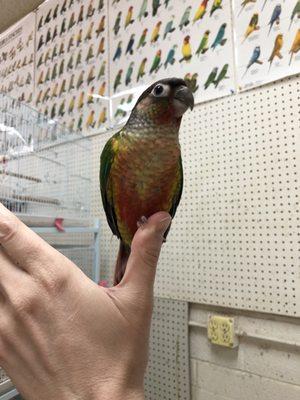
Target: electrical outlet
220	331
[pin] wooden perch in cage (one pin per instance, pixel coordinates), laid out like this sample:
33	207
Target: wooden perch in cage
40	199
21	176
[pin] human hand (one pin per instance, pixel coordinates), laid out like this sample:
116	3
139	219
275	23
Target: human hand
61	335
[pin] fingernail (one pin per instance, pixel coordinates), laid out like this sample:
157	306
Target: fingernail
165	223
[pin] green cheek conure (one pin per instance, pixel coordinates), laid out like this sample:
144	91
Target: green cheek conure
141	169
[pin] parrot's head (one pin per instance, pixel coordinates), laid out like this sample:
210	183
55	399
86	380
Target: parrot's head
162	104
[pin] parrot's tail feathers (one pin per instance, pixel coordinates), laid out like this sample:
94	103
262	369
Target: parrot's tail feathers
123	255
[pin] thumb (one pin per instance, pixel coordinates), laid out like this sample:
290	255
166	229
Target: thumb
145	249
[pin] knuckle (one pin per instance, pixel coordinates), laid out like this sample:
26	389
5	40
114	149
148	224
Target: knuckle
54	281
8	228
25	302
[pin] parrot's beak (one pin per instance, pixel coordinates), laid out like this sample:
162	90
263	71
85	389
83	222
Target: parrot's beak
183	99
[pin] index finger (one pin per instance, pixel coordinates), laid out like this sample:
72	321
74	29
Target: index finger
22	245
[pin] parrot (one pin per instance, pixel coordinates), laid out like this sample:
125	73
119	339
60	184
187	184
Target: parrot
61	67
118	79
54	72
295	46
54	33
118	51
275	16
201	11
102	89
90	97
188	78
62	48
41	60
79	37
40	24
276	52
101	70
54	91
61	110
79	123
71	43
142	40
71	22
71	125
64	7
136	184
55	12
89	32
155	32
71	3
91	75
253	26
100	5
90	11
203	46
62	88
185	19
71	105
80	15
169	27
70	64
222	75
211	78
80	101
48	36
90	122
119	111
80	80
141	70
193	83
217	5
186	49
41	43
101	26
167	3
129	19
155	6
296	11
63	27
47	77
170	57
129	73
71	84
143	10
117	24
53	111
39	97
102	117
54	53
156	62
101	49
130	44
48	17
46	95
220	40
78	59
89	55
254	59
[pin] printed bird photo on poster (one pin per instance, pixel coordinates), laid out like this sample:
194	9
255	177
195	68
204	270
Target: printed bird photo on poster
267	40
17	59
156	39
71	63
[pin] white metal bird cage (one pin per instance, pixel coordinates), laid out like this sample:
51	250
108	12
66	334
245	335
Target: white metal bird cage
44	167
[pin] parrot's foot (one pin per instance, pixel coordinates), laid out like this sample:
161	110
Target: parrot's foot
142	222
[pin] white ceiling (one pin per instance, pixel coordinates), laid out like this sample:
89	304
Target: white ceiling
13	10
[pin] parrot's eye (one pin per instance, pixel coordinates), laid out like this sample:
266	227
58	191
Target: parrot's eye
160	90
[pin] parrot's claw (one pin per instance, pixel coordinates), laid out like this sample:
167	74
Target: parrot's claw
142	222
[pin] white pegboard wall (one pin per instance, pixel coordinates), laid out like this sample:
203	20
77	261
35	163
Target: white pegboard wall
168	369
233	242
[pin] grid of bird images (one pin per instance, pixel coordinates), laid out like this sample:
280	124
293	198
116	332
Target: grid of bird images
17	59
85	62
267	40
71	63
154	39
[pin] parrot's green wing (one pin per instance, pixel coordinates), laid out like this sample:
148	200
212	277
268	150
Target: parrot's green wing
178	190
106	161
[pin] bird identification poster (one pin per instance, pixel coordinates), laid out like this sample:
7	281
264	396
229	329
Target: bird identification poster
72	63
267	40
17	59
155	39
